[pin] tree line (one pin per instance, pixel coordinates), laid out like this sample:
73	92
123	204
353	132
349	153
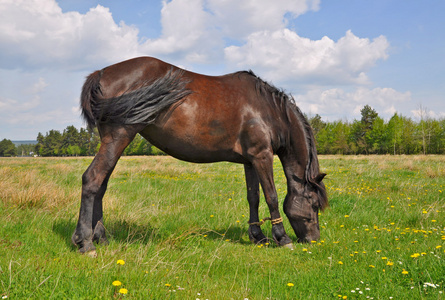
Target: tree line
373	135
369	135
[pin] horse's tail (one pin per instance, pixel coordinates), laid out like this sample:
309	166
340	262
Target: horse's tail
90	92
140	106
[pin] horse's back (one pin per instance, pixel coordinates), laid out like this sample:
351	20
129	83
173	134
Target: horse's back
131	74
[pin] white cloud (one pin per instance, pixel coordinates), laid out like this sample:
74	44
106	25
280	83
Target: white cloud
186	32
284	55
38	34
336	102
237	19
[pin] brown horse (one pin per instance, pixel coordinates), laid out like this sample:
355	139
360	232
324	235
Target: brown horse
236	117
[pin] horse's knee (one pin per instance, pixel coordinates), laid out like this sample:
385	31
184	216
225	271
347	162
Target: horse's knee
90	184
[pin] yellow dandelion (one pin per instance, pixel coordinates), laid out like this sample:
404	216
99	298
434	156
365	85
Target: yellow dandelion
120	262
404	272
389	263
168	285
340	262
123	291
304	249
211	216
371	266
290	284
116	283
438	247
346	216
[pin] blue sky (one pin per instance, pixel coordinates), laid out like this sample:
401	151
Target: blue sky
334	57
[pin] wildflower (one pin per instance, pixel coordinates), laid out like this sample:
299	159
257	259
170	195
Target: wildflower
404	272
438	247
168	285
346	216
123	291
429	284
371	266
121	262
304	249
211	216
384	258
116	283
290	284
389	263
340	262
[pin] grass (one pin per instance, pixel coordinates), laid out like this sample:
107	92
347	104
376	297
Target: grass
181	230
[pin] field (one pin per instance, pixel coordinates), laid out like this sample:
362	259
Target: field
179	231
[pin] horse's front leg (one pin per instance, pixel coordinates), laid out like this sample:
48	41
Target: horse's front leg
94	183
256	235
263	164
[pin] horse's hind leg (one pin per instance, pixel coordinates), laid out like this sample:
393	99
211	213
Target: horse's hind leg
253	196
94	183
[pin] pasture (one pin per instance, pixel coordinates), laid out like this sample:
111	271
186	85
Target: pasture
181	231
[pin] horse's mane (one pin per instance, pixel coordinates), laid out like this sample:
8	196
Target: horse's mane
286	103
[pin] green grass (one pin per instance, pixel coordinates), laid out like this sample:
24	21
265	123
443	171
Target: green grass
182	231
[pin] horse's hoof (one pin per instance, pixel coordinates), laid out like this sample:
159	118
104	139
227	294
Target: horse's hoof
92	254
289	246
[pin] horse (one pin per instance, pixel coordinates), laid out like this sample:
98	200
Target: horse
237	117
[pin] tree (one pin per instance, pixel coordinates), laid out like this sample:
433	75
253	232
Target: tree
7	148
139	146
51	145
317	124
70	141
369	115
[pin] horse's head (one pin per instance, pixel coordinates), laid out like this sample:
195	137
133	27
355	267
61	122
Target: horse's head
302	207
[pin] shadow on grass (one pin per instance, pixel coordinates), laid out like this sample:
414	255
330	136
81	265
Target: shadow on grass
119	231
124	232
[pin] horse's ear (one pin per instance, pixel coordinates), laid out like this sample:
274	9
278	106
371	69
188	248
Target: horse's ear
320	177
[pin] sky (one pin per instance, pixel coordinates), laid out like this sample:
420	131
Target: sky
334	57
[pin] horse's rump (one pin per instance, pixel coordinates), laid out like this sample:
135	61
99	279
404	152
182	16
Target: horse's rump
140	106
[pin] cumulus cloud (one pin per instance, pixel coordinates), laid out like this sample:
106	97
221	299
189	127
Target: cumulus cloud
238	19
36	33
198	28
284	55
186	32
335	102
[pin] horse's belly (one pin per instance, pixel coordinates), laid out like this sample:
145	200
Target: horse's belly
199	147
